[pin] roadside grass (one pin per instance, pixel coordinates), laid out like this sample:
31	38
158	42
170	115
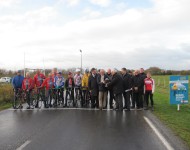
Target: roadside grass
179	122
6	95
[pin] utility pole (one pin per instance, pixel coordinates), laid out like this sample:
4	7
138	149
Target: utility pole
81	59
24	65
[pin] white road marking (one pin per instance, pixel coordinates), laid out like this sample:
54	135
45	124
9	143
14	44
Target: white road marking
24	145
160	136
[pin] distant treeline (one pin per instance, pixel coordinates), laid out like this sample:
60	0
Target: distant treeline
152	70
158	71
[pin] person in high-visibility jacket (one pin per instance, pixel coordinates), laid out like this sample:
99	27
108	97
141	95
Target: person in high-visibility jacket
85	84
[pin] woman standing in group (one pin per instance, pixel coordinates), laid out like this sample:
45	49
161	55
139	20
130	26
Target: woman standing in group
149	91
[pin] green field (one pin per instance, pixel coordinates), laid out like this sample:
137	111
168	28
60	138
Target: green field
179	122
6	94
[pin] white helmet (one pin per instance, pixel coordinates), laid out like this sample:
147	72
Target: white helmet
77	70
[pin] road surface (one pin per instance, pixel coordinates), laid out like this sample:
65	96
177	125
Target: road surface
72	129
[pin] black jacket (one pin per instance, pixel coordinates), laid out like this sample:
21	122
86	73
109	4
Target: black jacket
138	82
67	83
93	85
143	77
127	81
117	84
101	86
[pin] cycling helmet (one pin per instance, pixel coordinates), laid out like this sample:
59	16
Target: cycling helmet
87	71
77	70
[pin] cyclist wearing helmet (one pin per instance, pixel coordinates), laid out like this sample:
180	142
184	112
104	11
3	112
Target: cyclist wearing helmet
85	84
27	86
49	84
78	78
69	85
38	80
17	82
78	84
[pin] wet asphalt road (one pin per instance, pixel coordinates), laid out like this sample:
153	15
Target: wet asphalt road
76	130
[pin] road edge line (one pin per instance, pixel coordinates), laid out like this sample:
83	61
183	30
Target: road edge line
160	136
24	145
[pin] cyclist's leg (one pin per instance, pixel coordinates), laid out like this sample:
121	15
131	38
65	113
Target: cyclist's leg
72	96
15	98
46	98
84	97
38	97
81	97
67	93
50	97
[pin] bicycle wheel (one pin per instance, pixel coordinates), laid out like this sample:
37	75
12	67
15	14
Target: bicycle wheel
78	98
69	101
34	99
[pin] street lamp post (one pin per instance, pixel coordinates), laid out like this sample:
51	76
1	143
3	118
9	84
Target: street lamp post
81	59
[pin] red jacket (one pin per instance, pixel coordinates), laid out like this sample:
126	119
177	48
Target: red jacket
48	83
149	84
38	79
27	84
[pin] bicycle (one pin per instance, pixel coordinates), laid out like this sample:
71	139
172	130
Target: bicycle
87	97
69	99
51	96
38	98
78	97
27	95
59	97
18	99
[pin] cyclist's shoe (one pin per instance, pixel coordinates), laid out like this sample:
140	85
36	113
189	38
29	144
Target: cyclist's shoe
28	107
46	106
55	105
152	108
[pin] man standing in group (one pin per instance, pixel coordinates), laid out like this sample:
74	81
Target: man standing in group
27	86
142	97
49	84
85	86
17	83
127	84
78	84
59	83
137	90
110	90
117	84
93	87
69	85
38	80
101	79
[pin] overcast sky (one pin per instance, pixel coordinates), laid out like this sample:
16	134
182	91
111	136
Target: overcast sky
111	33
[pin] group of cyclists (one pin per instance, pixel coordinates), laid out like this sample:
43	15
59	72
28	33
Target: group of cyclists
127	90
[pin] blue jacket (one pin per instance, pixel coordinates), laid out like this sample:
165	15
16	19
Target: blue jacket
17	82
59	82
